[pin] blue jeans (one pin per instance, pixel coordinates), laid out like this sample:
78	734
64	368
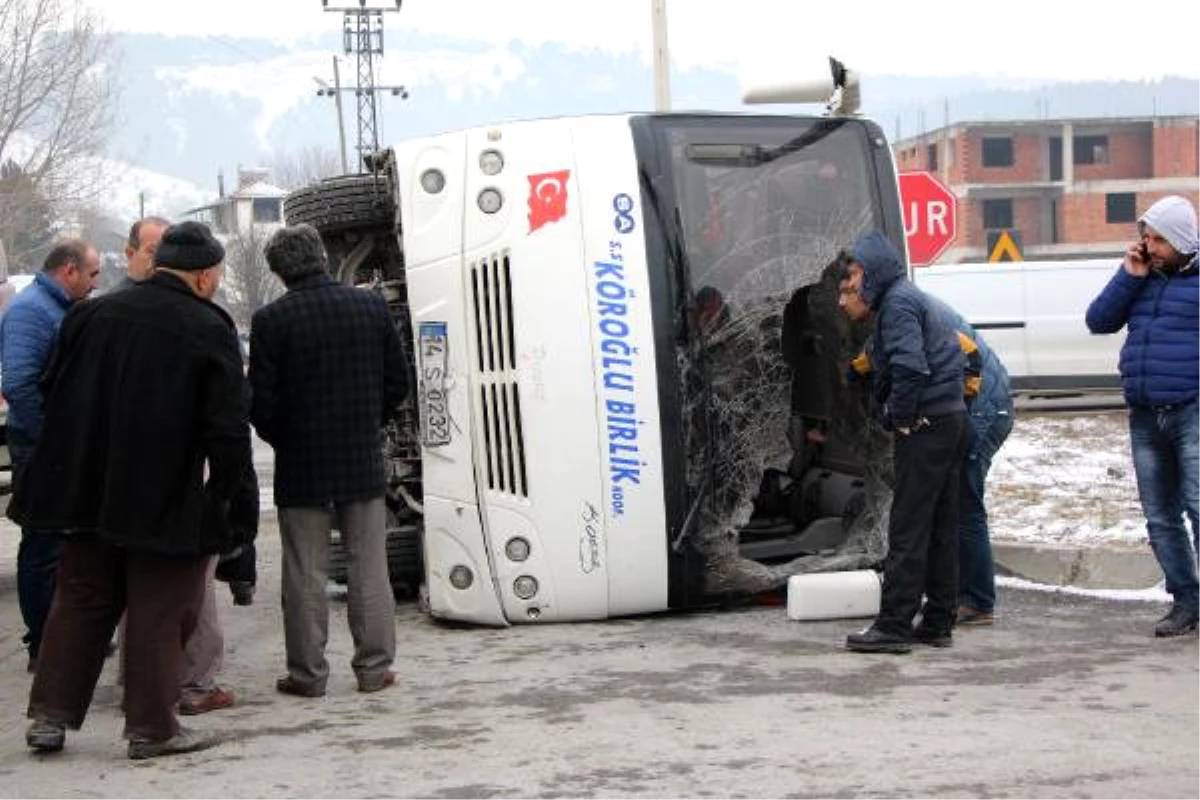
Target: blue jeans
37	556
1166	458
976	569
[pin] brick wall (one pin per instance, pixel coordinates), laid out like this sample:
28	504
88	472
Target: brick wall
1028	160
1176	148
1129	156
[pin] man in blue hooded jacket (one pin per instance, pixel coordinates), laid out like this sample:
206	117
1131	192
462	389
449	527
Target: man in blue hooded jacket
918	387
1155	294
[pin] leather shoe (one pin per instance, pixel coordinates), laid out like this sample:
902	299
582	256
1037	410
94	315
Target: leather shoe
376	683
202	701
873	640
1178	622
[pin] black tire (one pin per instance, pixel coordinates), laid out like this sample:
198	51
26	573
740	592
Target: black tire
348	202
337	559
406	566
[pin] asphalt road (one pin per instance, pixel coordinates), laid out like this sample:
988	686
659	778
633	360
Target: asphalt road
1064	697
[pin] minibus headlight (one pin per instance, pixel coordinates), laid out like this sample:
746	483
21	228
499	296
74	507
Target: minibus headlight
433	181
525	587
517	549
461	577
490	200
491	162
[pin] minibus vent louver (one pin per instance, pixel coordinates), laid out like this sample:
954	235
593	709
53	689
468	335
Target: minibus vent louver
499	398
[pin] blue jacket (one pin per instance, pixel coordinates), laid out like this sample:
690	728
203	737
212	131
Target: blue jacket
918	361
1160	360
27	334
995	389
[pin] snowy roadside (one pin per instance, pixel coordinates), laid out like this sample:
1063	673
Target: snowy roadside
1066	478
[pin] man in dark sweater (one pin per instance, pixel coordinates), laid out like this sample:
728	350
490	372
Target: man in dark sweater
327	372
918	387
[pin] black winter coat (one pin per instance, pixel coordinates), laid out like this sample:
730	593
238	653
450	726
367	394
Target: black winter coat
144	391
327	372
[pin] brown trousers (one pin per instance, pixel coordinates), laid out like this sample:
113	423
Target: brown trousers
161	597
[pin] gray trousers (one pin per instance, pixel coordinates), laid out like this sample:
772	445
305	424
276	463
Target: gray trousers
371	606
204	652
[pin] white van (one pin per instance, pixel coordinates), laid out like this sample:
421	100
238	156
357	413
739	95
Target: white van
1032	314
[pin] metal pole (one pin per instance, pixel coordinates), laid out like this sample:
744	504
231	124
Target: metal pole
337	98
662	57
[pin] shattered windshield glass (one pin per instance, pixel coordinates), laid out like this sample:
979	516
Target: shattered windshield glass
786	473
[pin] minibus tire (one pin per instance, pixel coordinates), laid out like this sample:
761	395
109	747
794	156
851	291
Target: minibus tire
347	202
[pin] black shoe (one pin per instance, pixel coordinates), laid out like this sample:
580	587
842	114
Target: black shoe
873	640
932	637
1176	623
186	741
45	736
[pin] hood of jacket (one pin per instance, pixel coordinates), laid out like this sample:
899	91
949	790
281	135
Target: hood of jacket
882	266
1175	220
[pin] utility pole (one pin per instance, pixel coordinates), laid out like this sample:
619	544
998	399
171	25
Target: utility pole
362	34
662	56
336	92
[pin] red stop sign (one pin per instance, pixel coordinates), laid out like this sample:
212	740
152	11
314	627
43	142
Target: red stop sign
930	218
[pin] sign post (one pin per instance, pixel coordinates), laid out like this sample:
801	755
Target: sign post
930	216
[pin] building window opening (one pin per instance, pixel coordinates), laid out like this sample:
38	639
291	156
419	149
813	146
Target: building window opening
267	209
998	214
1120	207
997	151
1090	149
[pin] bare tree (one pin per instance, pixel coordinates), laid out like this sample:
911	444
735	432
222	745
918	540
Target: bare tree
306	166
249	283
57	107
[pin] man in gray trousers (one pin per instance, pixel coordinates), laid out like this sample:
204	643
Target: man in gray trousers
327	373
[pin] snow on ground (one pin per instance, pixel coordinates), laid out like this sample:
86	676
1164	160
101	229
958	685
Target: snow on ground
1066	478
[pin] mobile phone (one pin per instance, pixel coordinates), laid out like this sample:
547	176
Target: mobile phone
1143	253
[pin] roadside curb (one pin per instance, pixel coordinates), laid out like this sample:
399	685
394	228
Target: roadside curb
1102	567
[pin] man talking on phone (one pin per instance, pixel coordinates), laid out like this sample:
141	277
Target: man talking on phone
1155	294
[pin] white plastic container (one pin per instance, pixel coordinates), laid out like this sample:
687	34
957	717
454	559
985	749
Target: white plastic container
834	595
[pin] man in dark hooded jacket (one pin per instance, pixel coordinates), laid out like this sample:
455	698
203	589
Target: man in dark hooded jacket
918	386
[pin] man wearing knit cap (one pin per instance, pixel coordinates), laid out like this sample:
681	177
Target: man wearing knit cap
1156	295
127	481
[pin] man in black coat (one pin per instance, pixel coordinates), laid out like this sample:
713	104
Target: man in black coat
327	372
144	392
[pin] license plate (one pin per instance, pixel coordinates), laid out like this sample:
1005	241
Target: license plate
432	343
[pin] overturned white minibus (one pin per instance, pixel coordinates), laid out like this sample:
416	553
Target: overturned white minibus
629	356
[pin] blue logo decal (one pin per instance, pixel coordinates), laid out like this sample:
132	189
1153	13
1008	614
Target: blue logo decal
623	221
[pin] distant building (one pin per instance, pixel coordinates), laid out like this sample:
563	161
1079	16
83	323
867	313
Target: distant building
1067	188
255	203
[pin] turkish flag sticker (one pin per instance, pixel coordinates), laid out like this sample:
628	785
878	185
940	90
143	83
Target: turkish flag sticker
547	198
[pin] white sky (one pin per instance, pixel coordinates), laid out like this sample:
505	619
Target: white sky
1062	39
